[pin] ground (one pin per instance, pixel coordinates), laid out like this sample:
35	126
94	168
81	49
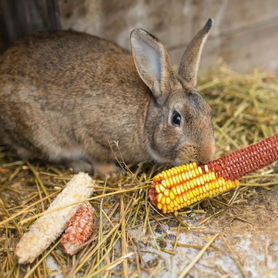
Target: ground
246	246
232	235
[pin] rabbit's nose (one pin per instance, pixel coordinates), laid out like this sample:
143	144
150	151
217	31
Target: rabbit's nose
207	151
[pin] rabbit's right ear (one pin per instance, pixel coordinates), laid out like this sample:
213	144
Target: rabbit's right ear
152	63
191	58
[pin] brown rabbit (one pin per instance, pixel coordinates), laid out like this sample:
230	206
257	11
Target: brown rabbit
76	98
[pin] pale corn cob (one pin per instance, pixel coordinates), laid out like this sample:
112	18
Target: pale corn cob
49	227
184	185
79	229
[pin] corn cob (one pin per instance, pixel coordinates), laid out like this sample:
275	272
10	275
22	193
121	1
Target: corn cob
50	226
184	185
79	229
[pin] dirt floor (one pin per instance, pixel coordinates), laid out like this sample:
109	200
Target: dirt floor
247	245
232	235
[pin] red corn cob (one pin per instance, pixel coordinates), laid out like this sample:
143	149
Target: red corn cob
79	229
184	185
248	160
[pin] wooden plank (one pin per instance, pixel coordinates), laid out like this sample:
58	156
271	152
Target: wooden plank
174	22
21	18
234	37
244	50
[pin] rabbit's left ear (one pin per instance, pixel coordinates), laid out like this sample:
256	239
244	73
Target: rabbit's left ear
152	62
191	58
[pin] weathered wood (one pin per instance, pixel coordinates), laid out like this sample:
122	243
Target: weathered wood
21	18
242	32
251	47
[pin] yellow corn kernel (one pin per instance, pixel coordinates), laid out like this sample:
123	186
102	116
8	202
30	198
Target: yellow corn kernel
171	205
180	199
171	182
161	188
184	187
197	191
190	194
172	195
191	174
156	178
157	188
163	182
159	197
196	172
183	176
184	197
194	182
211	176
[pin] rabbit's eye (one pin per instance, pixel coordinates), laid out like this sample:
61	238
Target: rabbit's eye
176	118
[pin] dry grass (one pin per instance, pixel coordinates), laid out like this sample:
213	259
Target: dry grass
245	111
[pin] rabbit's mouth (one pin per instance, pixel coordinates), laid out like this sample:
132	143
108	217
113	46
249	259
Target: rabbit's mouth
187	154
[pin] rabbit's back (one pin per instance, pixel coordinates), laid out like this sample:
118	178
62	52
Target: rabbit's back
71	86
72	65
58	57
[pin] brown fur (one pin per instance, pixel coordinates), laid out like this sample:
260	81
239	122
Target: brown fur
69	96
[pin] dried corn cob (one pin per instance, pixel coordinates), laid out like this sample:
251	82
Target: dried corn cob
49	227
184	185
79	229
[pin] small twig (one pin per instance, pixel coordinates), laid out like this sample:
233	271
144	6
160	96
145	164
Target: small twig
124	242
198	257
234	257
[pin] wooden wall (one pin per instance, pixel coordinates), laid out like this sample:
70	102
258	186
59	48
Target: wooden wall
244	35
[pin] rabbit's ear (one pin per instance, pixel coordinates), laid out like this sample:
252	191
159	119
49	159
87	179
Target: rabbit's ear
152	62
191	58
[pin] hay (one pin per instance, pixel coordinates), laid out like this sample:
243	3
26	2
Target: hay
244	111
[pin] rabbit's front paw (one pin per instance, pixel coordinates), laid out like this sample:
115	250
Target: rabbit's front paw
106	170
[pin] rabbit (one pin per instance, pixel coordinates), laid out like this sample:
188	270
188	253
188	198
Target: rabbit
84	102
